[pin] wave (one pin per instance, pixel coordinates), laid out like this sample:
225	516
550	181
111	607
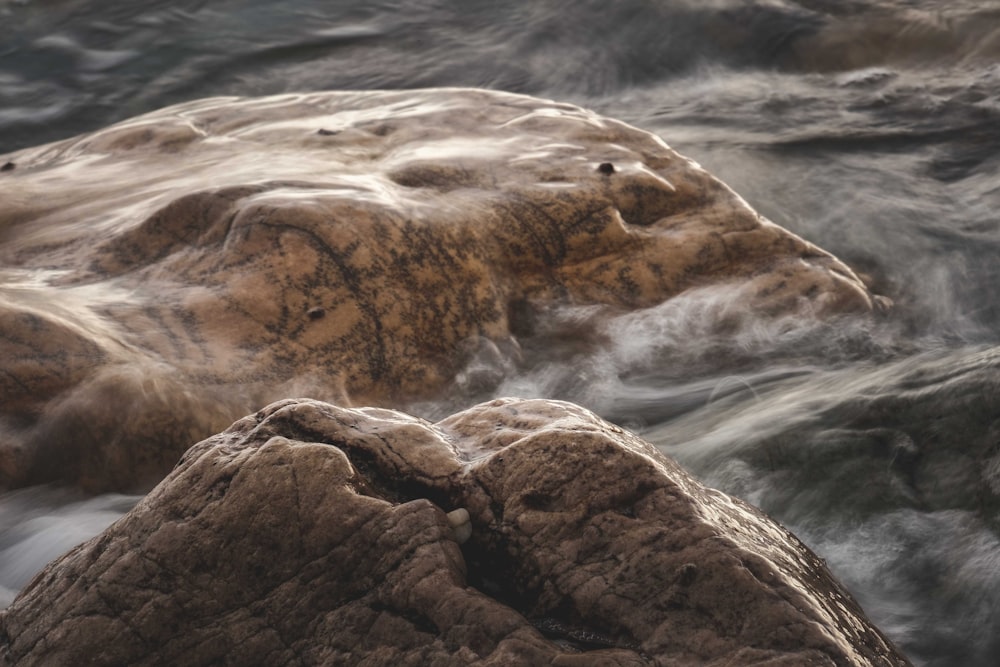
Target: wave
83	64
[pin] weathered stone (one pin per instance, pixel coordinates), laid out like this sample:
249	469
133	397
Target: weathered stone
169	273
314	534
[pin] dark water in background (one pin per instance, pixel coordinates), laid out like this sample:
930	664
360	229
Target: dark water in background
871	128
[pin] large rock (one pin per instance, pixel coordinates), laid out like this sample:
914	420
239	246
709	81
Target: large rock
314	534
167	274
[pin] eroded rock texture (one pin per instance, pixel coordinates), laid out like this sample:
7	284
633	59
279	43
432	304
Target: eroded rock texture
314	534
167	274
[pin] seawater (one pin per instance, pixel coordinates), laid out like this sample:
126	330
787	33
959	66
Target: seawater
870	128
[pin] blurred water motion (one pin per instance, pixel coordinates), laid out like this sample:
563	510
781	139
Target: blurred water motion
867	127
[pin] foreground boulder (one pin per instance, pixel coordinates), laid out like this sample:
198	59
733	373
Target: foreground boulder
172	272
517	532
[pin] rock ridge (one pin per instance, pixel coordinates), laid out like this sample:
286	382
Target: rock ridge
311	534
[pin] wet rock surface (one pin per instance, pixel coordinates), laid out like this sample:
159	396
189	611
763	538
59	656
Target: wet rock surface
170	273
315	534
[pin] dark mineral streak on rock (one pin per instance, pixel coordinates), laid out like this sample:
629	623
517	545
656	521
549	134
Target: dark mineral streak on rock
311	534
8	166
584	639
172	273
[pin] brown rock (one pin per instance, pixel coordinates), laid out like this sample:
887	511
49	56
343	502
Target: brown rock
312	534
193	264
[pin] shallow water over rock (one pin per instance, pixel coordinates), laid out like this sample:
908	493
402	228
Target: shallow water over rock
197	262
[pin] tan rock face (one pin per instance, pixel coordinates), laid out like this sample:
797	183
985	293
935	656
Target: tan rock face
167	274
313	534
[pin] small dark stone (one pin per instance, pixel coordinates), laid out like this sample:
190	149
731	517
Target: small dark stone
323	132
686	574
606	168
316	313
8	166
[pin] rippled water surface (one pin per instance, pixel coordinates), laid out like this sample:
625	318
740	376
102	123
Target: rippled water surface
870	128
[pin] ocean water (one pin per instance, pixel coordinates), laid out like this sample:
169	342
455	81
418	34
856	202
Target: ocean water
871	128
